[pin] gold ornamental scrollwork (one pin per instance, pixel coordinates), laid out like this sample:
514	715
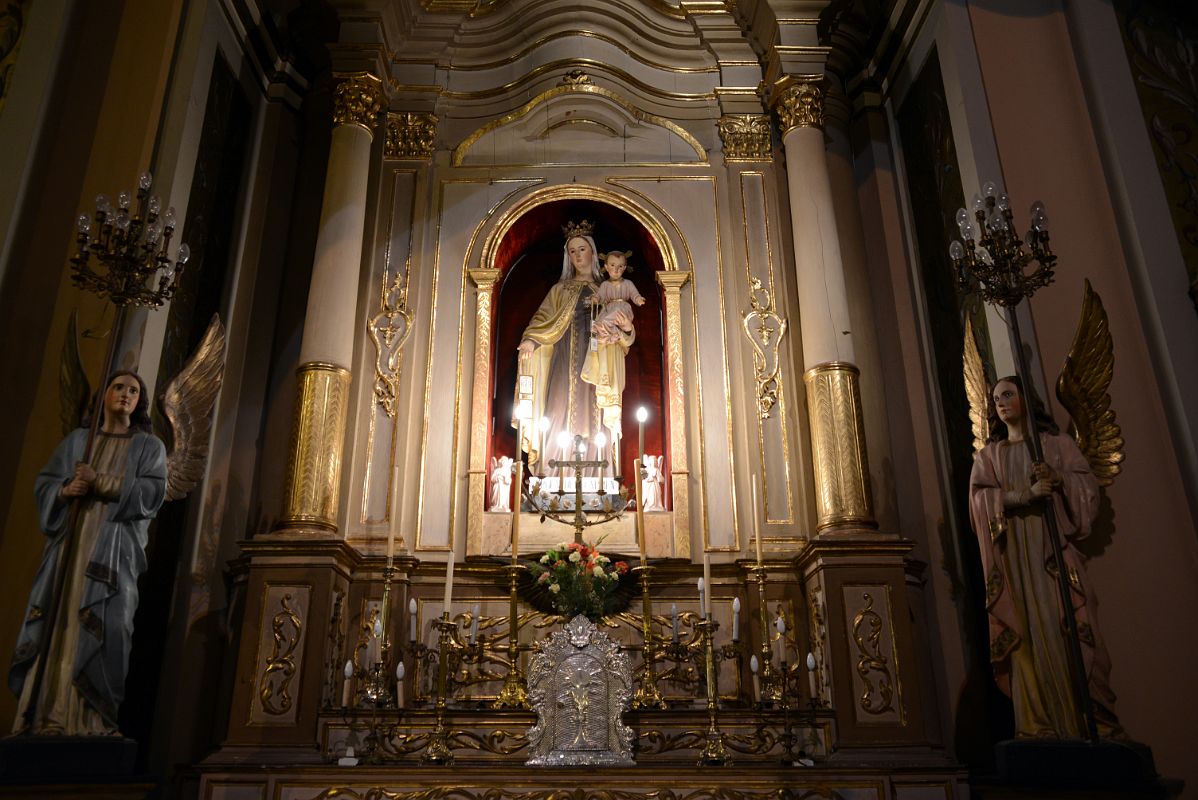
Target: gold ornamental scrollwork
746	137
800	104
388	330
867	634
575	77
357	100
819	633
764	327
842	485
286	627
318	432
410	136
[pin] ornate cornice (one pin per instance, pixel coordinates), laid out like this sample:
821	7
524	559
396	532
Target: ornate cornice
746	137
800	104
410	136
357	100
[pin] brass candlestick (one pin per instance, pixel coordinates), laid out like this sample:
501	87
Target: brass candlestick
378	679
514	693
714	754
438	752
771	686
647	694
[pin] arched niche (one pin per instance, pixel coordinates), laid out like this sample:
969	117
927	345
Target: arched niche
519	258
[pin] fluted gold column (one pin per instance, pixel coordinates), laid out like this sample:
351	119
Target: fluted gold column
318	429
844	497
484	279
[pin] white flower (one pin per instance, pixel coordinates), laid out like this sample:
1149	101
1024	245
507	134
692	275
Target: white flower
602	559
598	572
575	557
545	559
555	588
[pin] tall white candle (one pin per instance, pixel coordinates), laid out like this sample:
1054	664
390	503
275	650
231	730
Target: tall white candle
756	524
448	582
811	683
346	687
519	499
702	595
753	667
736	619
707	582
475	613
780	625
412	620
399	676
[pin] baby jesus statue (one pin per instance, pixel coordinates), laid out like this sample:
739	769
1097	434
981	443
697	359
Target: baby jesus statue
614	295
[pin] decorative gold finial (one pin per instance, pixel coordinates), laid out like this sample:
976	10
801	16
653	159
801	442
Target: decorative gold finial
571	229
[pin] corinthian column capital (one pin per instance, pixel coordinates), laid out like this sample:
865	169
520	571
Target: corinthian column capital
357	100
799	102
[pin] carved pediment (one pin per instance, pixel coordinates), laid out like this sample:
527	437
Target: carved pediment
579	123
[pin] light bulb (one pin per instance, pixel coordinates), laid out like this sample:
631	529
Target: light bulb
349	669
102	203
400	671
780	624
144	180
969	231
1003	202
989	189
84	223
563	439
977	203
962	216
753	665
642	414
543	423
600	440
811	661
168	219
184	254
122	220
123	199
155	205
956	251
154	233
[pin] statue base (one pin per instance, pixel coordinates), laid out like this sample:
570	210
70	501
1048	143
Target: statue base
1071	764
59	759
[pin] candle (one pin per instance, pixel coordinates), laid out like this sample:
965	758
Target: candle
378	627
702	595
674	622
519	499
412	620
563	441
642	414
475	613
394	514
707	583
736	619
780	625
399	675
543	426
753	667
346	687
448	582
811	675
640	512
756	526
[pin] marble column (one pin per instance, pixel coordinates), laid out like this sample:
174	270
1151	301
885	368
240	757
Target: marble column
844	499
322	396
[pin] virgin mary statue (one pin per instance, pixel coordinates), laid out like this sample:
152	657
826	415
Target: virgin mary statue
554	346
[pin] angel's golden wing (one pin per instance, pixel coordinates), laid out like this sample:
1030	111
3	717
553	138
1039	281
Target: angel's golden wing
1084	390
976	389
187	403
73	388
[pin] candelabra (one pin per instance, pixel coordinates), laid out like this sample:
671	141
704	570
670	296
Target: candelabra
131	247
714	754
514	693
377	688
993	263
578	519
438	752
647	694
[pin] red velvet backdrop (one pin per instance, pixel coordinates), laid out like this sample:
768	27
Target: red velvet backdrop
530	257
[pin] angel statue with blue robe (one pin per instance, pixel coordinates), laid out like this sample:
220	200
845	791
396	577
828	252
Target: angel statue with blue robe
100	549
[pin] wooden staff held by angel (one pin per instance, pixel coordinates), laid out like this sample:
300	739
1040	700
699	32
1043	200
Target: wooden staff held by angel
1014	501
96	497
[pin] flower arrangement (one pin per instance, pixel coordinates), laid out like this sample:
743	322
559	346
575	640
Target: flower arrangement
580	579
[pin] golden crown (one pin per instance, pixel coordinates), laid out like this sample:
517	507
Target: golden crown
571	229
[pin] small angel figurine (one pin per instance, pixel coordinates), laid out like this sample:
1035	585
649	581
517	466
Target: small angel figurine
501	484
615	294
653	484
